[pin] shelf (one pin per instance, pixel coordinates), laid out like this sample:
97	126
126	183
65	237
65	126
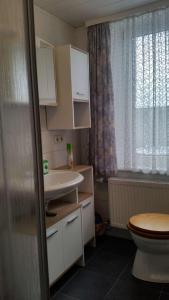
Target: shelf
81	114
83	196
62	208
81	101
82	168
77	168
46	103
80	127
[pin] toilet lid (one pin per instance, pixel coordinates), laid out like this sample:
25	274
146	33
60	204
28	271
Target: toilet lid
152	223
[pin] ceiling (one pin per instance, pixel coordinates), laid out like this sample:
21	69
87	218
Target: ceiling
76	12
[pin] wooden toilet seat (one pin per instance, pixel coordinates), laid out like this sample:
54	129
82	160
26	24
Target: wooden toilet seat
150	225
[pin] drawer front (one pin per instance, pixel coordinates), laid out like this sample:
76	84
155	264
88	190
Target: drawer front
88	219
55	252
72	238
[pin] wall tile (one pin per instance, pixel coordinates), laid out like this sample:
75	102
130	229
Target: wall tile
43	118
55	152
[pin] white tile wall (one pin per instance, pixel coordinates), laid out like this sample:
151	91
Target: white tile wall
56	153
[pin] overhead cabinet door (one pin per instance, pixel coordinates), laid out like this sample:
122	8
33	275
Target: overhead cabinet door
46	76
80	75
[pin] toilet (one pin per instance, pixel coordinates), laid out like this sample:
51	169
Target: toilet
150	232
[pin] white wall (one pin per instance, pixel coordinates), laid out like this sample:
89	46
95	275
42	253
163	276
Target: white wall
80	38
56	32
52	29
54	152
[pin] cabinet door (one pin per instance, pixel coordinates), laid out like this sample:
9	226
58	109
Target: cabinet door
46	76
72	238
55	252
88	219
80	75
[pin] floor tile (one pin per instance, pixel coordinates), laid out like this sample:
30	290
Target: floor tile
90	252
87	285
166	287
60	296
164	296
130	288
108	263
64	279
127	275
107	276
119	246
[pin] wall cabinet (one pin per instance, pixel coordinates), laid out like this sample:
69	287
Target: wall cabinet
80	75
45	57
72	73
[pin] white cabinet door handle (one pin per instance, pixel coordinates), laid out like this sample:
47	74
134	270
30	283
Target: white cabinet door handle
72	220
86	205
51	233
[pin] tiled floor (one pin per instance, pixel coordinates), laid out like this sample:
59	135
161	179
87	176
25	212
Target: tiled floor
107	276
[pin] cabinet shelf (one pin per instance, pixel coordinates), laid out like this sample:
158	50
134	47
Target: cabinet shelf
83	196
77	168
82	168
48	103
62	209
80	101
81	114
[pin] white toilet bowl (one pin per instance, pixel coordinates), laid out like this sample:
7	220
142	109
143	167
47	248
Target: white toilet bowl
150	233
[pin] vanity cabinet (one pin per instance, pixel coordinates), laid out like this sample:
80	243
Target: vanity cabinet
73	226
86	199
72	73
55	251
45	57
72	238
64	244
87	209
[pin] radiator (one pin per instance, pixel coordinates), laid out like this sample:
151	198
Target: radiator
128	197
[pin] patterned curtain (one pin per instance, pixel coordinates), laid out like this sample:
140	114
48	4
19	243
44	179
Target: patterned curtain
140	58
102	151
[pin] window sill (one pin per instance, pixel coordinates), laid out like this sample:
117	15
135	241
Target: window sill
140	175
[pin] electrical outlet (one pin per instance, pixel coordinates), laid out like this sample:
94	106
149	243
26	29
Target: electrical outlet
58	139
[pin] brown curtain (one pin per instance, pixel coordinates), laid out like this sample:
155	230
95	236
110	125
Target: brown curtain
102	150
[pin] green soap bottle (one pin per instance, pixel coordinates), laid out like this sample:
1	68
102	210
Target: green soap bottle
45	167
70	156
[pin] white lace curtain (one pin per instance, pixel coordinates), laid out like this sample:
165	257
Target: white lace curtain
140	70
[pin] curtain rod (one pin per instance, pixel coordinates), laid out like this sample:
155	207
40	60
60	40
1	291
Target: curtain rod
129	13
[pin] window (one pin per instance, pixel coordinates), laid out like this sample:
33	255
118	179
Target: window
141	91
152	103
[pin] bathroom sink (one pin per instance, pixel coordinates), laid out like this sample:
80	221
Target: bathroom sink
59	183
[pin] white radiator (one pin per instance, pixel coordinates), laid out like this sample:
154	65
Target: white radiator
128	197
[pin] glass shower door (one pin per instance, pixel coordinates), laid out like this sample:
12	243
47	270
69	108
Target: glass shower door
23	262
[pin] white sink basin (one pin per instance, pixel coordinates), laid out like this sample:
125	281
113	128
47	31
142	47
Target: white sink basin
59	183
